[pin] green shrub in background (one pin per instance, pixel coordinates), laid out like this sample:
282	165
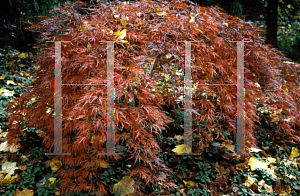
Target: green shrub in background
12	32
289	41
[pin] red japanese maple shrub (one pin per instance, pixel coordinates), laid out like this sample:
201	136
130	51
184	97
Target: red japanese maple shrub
149	46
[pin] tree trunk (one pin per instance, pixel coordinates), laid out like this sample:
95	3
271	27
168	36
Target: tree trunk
271	36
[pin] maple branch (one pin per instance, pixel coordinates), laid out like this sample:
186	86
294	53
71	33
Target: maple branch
150	74
136	99
151	71
94	11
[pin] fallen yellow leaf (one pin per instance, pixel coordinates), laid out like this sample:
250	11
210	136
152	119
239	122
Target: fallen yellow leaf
222	170
268	188
55	165
179	137
51	180
249	181
229	146
294	153
22	55
124	20
89	46
103	164
254	163
9	167
259	150
285	191
242	166
24	192
180	149
10	82
8	179
122	34
189	182
88	26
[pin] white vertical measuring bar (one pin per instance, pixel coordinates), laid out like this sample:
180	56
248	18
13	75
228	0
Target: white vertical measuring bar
240	99
57	102
188	118
188	99
240	132
110	101
110	138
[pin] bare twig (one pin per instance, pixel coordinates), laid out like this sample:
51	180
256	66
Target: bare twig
151	71
153	66
165	38
94	11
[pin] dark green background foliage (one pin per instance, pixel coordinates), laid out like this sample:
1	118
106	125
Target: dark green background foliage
13	32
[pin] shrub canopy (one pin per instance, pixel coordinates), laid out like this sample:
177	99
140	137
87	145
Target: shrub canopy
149	46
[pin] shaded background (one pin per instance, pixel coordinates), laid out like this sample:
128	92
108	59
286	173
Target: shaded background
279	17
